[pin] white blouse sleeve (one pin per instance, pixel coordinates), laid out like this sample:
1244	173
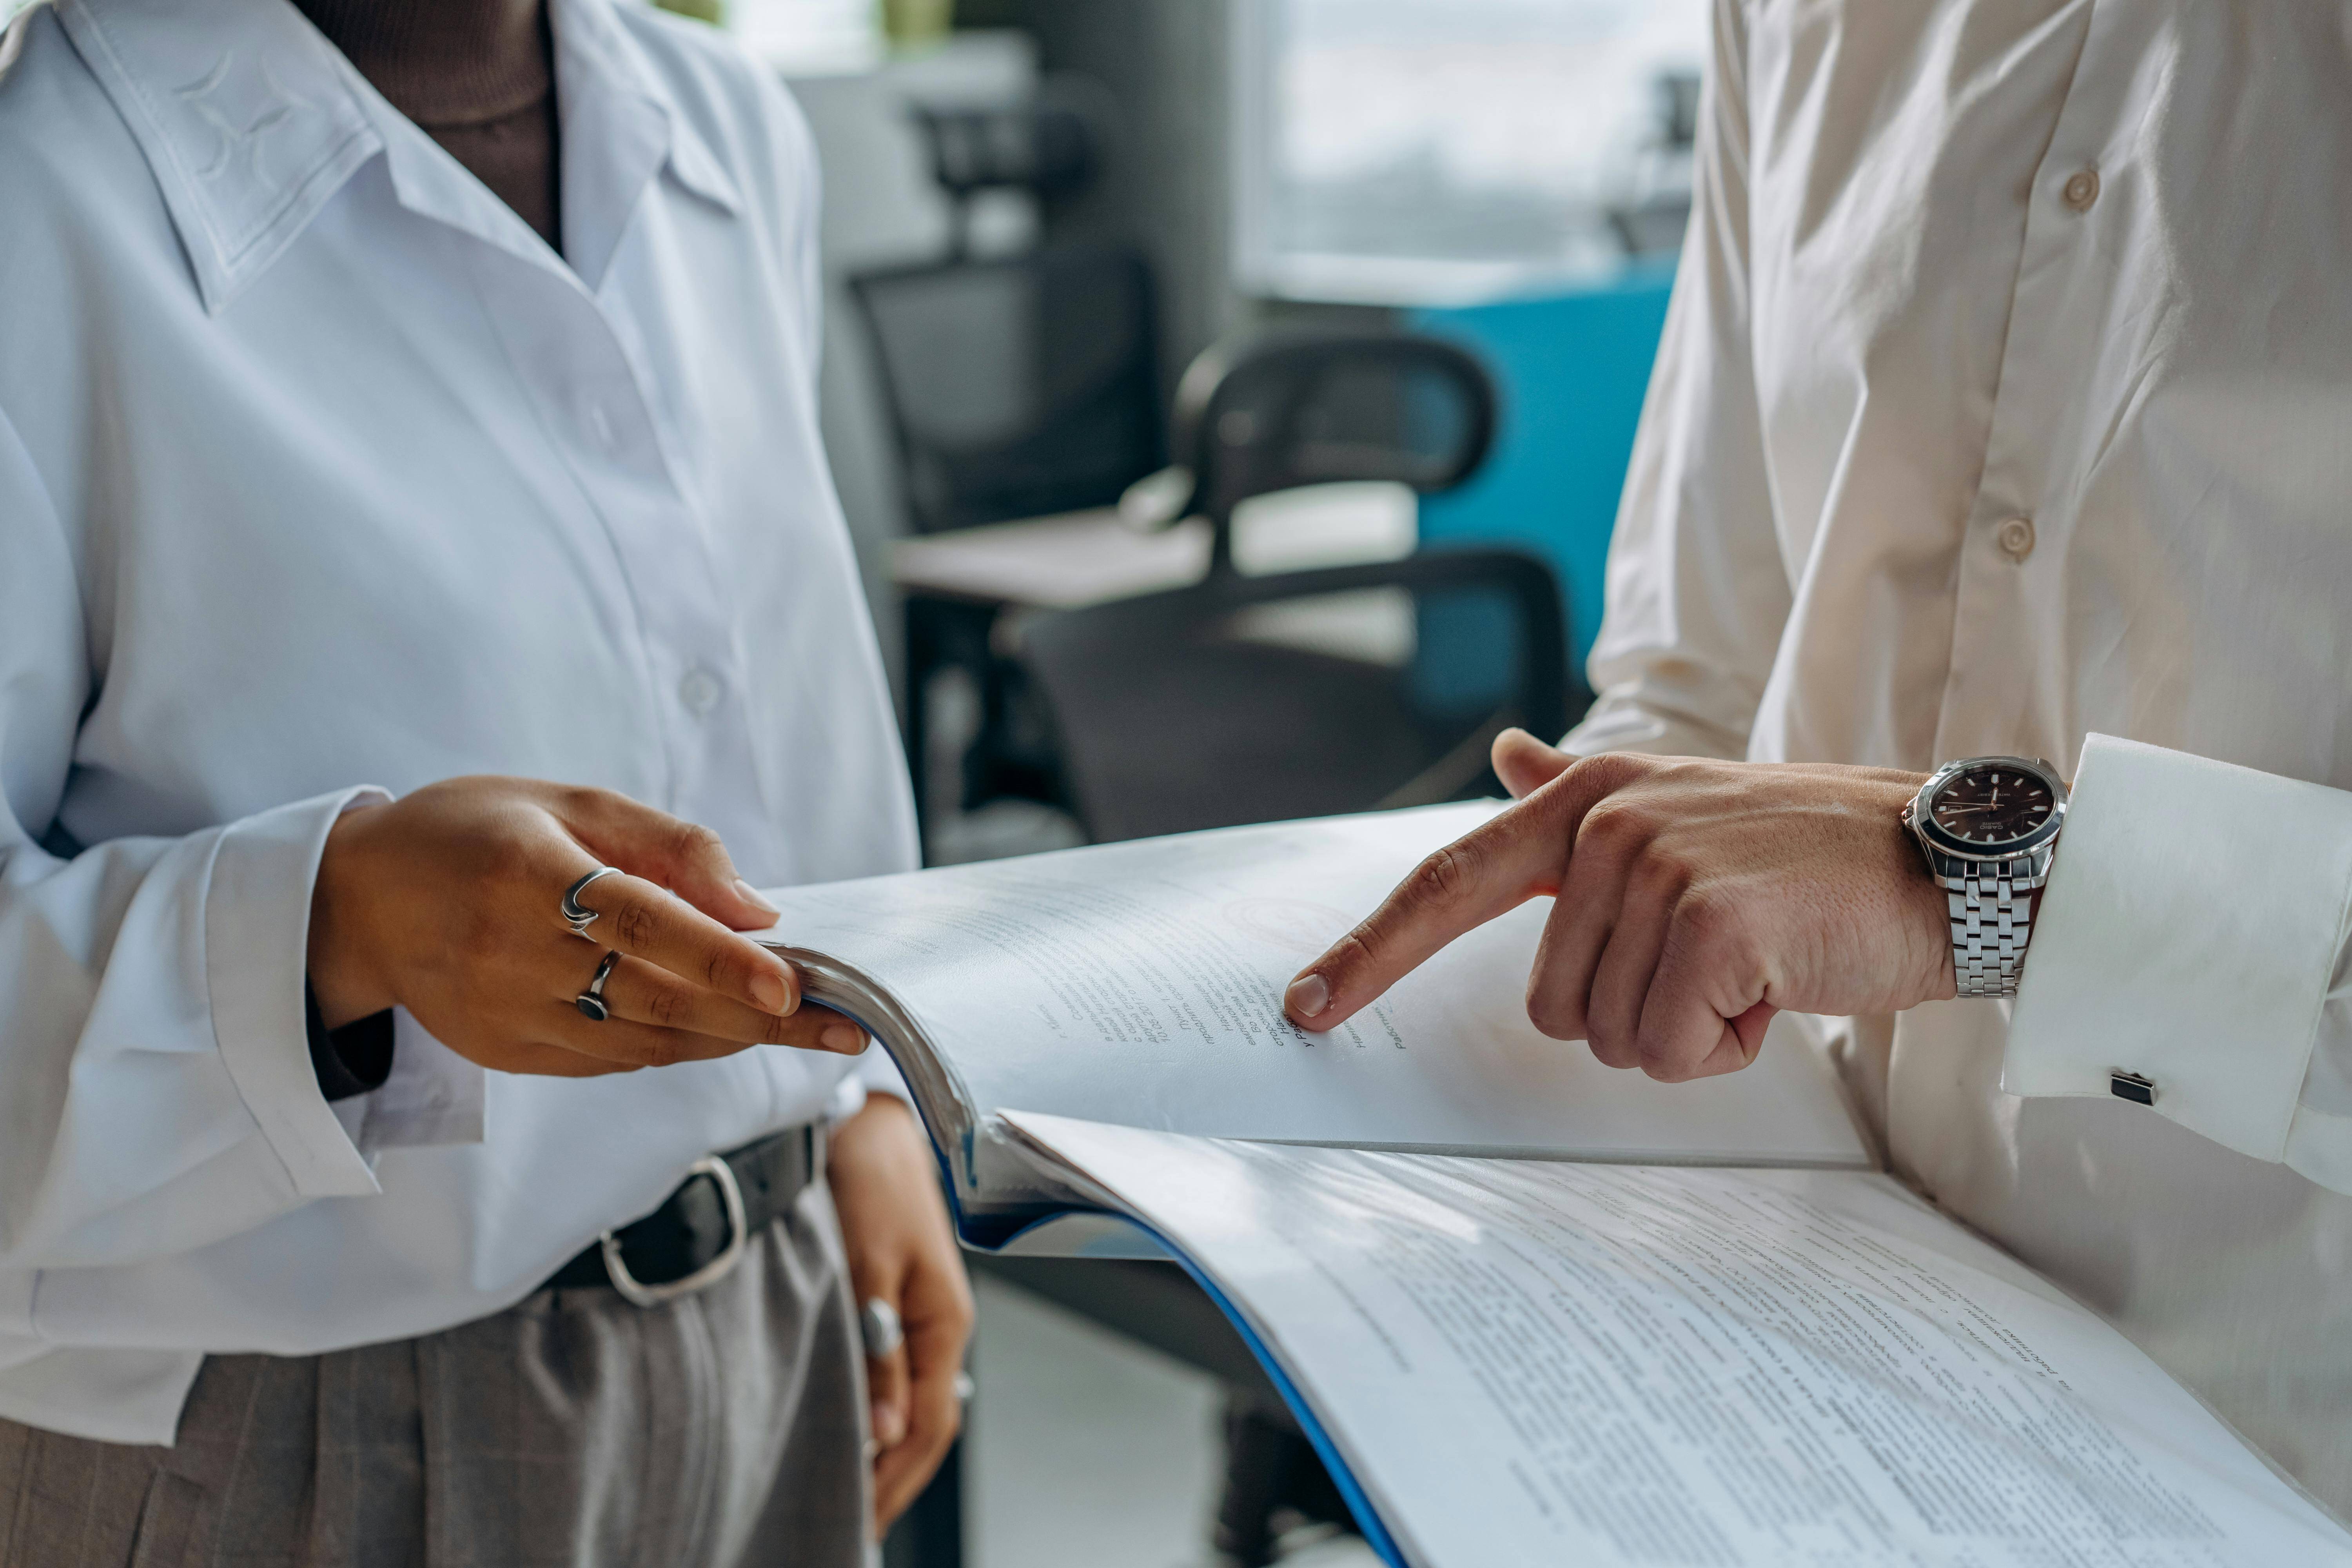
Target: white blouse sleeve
2194	934
1697	591
156	1091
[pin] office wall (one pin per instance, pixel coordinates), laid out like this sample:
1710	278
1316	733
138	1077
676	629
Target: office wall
1572	369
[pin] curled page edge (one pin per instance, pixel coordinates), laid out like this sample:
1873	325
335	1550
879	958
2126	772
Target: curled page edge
1368	1519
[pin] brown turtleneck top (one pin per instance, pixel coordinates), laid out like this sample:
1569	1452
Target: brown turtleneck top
478	76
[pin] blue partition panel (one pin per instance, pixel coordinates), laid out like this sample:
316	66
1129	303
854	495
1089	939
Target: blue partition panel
1572	369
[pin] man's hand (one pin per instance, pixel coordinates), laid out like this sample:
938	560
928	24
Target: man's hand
902	1250
449	902
1692	900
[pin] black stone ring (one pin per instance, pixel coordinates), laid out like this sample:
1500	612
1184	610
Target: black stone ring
591	1001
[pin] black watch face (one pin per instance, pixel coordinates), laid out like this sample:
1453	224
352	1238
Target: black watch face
1992	804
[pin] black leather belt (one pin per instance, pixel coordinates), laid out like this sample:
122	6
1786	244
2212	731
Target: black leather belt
698	1235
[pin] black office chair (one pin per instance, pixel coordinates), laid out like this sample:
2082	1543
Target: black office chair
1306	693
1050	147
1302	408
1017	385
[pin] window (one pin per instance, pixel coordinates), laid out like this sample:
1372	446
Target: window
1418	150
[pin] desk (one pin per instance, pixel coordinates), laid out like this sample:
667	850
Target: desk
1050	563
958	588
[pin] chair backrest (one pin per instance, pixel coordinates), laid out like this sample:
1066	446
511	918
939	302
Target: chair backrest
1047	146
1301	409
1262	699
1019	385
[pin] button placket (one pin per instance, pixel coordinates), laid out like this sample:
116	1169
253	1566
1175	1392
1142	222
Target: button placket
659	544
2055	305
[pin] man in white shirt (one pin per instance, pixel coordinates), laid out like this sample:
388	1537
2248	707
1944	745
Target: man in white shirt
327	476
2001	410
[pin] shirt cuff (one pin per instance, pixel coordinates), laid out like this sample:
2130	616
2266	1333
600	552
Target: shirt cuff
2189	935
257	939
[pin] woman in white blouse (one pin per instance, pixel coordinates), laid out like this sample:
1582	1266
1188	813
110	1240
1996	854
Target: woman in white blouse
327	479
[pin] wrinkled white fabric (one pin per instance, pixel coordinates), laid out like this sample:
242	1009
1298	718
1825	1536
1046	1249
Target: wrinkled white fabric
2004	399
319	473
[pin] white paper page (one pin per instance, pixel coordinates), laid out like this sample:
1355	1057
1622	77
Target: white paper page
1143	983
1531	1363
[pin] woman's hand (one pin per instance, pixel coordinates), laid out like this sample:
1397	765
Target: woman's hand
1692	900
449	902
902	1250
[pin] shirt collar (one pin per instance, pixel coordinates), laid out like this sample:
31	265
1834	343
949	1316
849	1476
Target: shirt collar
252	121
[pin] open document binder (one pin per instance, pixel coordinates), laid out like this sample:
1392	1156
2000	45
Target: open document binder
1529	1309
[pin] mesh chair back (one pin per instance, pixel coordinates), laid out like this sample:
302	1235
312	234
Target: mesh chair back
1262	699
1020	385
1295	409
1047	147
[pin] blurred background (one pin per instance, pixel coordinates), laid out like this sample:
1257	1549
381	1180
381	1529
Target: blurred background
1230	400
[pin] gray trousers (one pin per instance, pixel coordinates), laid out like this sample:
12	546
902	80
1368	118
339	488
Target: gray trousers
724	1429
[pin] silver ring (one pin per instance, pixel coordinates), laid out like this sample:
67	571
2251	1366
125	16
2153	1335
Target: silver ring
878	1326
578	919
592	1001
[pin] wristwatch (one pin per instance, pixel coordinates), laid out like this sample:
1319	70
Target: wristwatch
1988	827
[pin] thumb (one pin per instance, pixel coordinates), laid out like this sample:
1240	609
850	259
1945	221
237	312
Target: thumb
1526	765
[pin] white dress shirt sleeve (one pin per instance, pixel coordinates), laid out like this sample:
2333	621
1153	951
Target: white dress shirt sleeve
1697	591
156	1092
2194	933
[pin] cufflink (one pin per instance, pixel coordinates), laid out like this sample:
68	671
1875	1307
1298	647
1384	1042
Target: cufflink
2131	1085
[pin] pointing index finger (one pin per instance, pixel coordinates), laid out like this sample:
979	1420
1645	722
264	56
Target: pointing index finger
1513	857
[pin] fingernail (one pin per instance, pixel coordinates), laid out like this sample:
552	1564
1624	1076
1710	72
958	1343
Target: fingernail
1307	996
844	1037
770	992
745	891
889	1427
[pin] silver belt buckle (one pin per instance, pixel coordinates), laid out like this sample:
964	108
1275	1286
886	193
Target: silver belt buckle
638	1292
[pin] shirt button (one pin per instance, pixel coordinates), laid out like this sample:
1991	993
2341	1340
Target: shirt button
2082	189
698	691
2015	538
600	424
